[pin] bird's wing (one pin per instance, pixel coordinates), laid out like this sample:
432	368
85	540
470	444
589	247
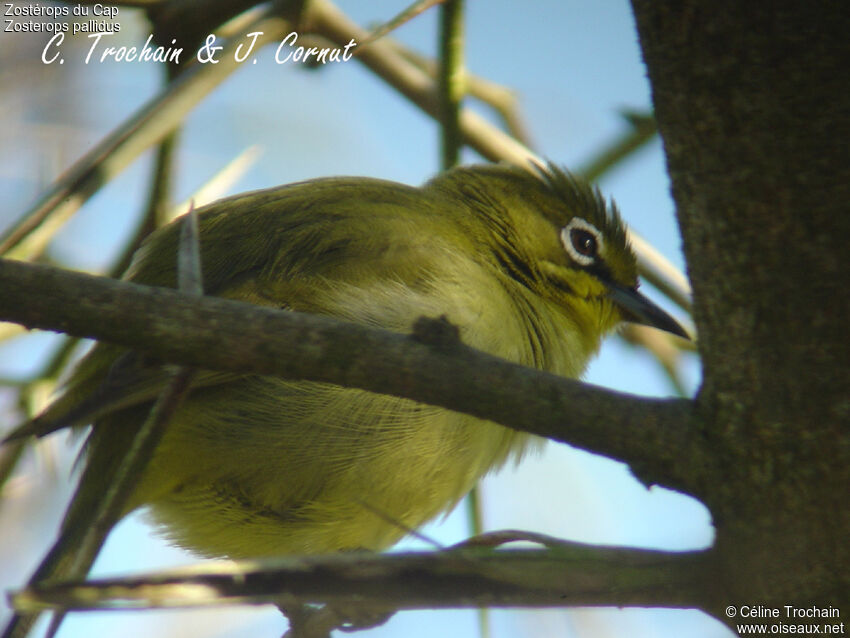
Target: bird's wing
284	247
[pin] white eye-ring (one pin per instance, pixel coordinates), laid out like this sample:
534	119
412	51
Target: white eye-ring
582	241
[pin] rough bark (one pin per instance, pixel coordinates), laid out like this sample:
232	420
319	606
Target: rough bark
753	105
430	365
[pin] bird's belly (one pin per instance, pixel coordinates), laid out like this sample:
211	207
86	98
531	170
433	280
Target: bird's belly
315	469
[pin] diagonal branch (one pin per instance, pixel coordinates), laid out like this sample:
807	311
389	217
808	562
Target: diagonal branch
383	59
163	113
572	574
152	123
78	544
656	436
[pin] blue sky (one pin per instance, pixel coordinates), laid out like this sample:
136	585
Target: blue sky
574	66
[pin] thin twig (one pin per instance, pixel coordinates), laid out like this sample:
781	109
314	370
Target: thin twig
112	506
405	16
189	275
324	19
500	98
147	127
568	574
475	516
137	457
665	349
82	180
10	454
662	274
416	85
642	129
450	81
220	183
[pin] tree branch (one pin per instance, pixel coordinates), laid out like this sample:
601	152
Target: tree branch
164	112
572	574
152	123
383	59
655	436
451	84
753	107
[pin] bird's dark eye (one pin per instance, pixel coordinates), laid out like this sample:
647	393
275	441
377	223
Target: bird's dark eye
584	242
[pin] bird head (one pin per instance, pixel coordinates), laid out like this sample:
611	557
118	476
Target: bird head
556	235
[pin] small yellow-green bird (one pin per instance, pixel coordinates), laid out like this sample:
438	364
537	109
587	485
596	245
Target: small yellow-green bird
535	268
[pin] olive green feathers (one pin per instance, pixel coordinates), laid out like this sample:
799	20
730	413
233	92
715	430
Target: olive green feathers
535	268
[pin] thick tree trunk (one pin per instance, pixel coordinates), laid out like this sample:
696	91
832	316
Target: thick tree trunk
753	104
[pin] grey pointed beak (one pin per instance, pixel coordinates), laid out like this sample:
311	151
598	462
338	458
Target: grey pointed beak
638	309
